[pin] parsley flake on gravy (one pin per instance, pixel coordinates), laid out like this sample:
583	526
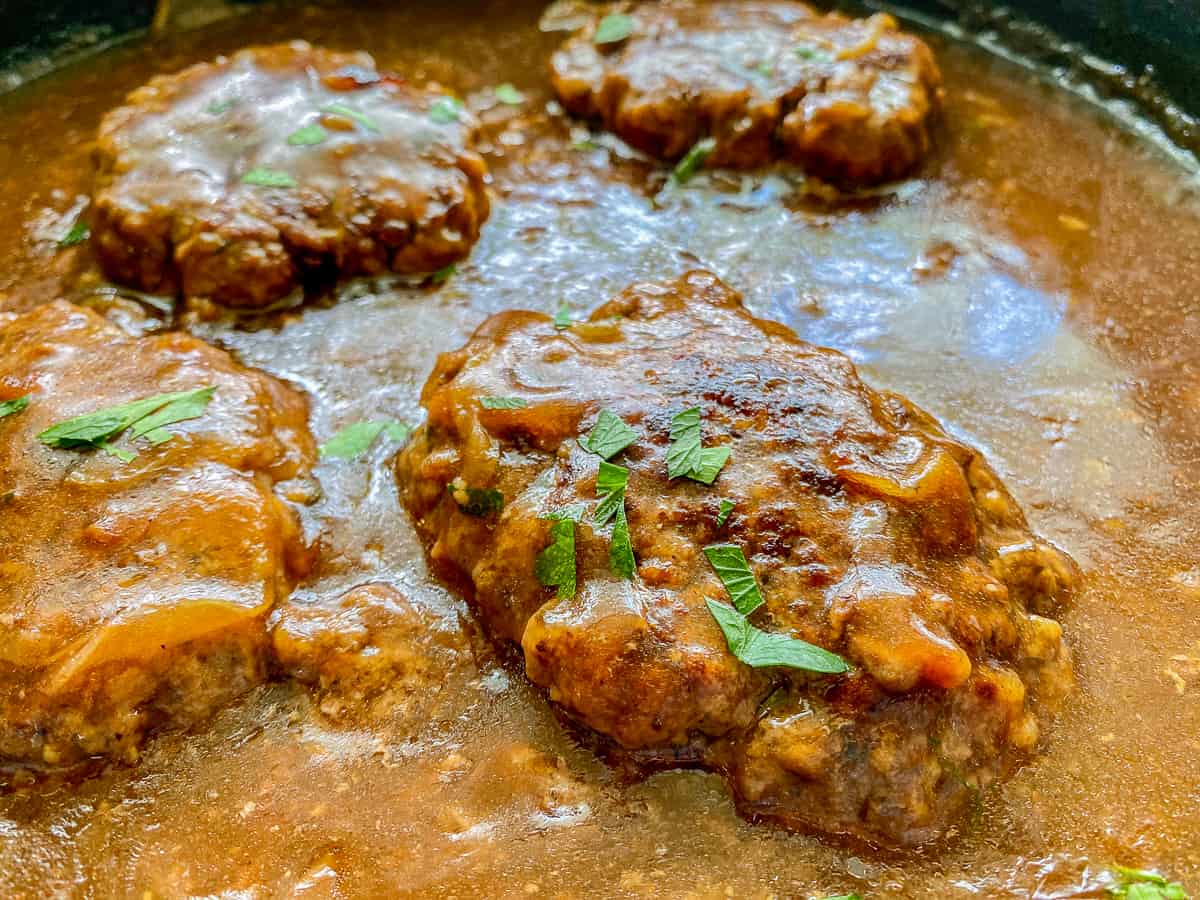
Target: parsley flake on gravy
77	234
1144	884
723	512
609	436
812	54
610	488
445	110
555	565
731	567
685	457
502	402
354	115
753	646
147	419
693	160
307	135
620	548
443	273
479	502
268	178
613	28
506	93
13	406
354	440
562	318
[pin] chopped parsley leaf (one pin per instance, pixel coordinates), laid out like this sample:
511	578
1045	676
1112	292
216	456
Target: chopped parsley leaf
555	565
148	419
620	548
613	28
723	512
813	54
609	436
268	178
443	273
685	457
762	649
610	488
843	897
1143	884
562	318
730	564
712	460
506	93
478	502
354	115
356	439
683	454
307	135
13	406
503	402
217	107
693	160
445	110
76	234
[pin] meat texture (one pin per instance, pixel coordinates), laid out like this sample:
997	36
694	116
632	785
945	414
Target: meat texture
850	100
237	179
871	533
135	594
370	654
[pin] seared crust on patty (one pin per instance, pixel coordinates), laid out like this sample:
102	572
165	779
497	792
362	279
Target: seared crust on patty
871	533
239	178
851	100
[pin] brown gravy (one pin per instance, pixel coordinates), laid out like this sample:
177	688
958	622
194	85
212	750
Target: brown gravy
1035	290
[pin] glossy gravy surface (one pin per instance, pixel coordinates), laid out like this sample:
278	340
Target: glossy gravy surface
1035	289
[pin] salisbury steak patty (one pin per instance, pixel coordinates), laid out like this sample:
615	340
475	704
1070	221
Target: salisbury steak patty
135	594
234	179
871	533
847	99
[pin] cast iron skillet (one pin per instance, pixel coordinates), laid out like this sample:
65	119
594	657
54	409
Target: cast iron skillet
1154	44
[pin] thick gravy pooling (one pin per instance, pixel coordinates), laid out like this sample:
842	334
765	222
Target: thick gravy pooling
1035	289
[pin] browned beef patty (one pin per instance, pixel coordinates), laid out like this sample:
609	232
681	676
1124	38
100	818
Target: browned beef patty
847	99
134	593
871	533
237	178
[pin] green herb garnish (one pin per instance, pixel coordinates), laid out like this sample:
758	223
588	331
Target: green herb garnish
555	565
693	160
1144	884
354	115
685	457
479	502
268	178
562	318
613	28
217	107
723	512
712	460
77	234
443	273
683	454
503	402
731	567
842	897
13	406
506	93
761	649
445	110
620	548
354	440
609	436
610	488
147	418
307	135
812	54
